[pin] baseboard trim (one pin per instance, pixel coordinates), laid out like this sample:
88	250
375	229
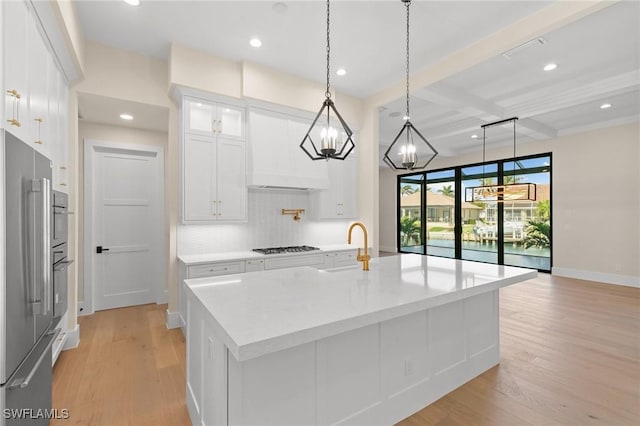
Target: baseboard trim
174	320
616	279
388	249
72	339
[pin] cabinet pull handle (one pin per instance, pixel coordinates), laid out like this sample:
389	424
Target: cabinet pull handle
63	167
14	93
63	184
39	121
15	121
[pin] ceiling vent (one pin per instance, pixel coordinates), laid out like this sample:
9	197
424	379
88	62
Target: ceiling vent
518	49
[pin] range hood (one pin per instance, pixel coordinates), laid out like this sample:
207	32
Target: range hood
275	159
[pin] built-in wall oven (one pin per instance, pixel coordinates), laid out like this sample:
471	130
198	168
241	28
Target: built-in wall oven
59	250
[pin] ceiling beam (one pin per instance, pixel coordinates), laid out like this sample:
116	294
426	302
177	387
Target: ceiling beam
557	100
552	17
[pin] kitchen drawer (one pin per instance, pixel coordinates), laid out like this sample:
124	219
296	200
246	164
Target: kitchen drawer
316	260
213	269
254	265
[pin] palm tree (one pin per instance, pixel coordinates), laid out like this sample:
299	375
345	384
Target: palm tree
538	234
510	179
543	209
487	181
407	190
410	229
447	190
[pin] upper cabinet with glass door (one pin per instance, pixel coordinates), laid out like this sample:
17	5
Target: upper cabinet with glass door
213	119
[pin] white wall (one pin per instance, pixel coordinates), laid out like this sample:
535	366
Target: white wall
595	201
266	226
113	134
387	203
119	74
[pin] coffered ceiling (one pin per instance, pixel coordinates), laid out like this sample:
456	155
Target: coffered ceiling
597	57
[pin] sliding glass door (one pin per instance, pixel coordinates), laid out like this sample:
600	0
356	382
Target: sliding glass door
527	224
441	216
480	229
435	217
411	214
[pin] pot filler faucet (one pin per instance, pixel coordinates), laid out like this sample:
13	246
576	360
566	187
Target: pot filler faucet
365	257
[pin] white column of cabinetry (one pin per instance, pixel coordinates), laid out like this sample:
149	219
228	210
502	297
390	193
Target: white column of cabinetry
39	60
214	162
35	91
15	24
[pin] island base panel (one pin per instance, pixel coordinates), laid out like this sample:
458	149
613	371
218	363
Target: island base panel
374	375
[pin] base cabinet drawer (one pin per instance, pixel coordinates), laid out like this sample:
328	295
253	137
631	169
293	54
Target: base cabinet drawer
214	269
316	260
253	265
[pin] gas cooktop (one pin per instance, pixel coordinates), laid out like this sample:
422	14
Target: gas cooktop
291	249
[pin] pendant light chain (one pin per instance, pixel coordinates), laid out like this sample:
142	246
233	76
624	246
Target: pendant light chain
328	92
336	138
407	4
410	150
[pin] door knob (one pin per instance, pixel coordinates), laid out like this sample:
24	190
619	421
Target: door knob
99	249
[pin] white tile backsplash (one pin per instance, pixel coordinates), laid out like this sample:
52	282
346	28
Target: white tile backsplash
266	227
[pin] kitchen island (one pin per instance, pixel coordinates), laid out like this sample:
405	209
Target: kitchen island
302	346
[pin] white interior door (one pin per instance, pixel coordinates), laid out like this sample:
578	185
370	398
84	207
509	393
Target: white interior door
127	216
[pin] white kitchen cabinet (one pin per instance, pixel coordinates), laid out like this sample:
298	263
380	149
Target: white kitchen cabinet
214	269
315	260
39	116
61	160
213	119
15	28
39	61
214	182
340	201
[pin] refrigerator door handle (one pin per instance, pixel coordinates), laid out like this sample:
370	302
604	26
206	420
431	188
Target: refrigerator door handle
46	245
43	186
23	383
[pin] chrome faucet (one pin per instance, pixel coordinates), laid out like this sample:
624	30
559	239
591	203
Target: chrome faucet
365	257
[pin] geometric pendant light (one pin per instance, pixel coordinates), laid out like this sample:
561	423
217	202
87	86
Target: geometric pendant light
409	150
329	136
514	191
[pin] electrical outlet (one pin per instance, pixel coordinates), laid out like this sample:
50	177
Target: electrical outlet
408	367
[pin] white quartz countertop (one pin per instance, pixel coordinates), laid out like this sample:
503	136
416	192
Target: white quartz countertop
195	259
262	312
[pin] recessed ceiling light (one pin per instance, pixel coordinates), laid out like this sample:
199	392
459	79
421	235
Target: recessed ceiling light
605	106
341	71
132	2
550	67
255	42
474	136
126	116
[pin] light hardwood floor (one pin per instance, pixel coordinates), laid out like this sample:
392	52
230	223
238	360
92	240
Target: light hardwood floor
570	356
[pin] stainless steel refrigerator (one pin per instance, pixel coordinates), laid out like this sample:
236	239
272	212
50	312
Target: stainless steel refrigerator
26	299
